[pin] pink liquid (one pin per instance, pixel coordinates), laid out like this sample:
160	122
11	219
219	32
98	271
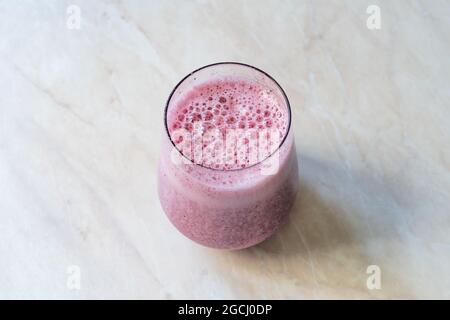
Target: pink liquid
229	204
228	106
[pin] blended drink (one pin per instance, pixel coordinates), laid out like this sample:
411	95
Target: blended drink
228	171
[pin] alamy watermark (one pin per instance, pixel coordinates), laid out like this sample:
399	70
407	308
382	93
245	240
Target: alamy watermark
374	20
73	277
73	21
374	279
232	148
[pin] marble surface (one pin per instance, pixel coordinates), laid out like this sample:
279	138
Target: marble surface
81	120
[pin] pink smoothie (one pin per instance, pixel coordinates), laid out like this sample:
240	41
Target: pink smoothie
247	109
221	196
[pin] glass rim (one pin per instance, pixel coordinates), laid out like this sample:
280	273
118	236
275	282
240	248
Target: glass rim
286	100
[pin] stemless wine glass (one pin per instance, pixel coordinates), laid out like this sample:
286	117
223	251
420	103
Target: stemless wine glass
227	208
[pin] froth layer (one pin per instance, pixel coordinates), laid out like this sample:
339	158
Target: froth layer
211	114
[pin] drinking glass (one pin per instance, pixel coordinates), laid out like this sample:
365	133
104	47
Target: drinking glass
227	209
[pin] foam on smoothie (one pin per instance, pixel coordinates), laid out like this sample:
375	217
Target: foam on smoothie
225	104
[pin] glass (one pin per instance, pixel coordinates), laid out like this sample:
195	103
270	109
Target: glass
230	208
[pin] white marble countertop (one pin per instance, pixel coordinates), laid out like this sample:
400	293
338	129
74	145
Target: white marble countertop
81	118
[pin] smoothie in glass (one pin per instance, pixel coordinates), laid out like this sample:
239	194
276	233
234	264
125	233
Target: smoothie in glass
228	171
